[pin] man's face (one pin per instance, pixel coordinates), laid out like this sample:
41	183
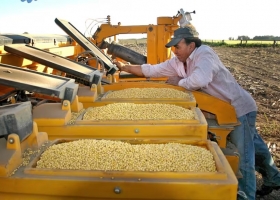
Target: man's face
183	50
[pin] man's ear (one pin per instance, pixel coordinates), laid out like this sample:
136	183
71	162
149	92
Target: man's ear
193	45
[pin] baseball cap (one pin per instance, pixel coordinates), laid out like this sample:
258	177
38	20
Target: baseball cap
183	32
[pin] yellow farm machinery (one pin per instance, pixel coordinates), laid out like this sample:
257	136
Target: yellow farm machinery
73	127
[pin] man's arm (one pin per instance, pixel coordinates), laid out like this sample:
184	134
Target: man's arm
133	69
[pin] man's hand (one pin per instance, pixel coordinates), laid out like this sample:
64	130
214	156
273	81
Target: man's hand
133	69
119	64
173	80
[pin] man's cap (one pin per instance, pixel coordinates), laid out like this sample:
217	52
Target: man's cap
183	32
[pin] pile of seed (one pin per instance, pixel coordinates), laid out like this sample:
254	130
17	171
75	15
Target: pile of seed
154	93
29	154
74	116
132	111
91	154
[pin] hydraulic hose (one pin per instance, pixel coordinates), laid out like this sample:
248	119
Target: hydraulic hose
126	54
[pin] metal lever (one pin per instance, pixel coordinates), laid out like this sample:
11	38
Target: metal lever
212	137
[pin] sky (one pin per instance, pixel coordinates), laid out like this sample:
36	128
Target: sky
214	19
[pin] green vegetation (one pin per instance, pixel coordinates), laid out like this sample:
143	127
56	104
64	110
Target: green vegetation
213	43
241	43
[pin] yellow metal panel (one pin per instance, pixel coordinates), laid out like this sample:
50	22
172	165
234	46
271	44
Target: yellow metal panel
152	50
163	36
87	94
141	79
146	84
234	162
108	30
76	106
225	113
125	131
184	102
164	20
2	51
221	134
10	155
47	115
14	60
11	59
64	51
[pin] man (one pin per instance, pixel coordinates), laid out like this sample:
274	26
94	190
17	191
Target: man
198	67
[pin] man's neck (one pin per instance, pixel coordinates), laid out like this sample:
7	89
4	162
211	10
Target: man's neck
185	66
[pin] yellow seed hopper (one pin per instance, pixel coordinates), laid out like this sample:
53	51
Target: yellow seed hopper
21	179
56	119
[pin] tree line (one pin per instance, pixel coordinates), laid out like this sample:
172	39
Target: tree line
262	38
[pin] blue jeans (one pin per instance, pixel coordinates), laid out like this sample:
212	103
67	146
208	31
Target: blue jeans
254	155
